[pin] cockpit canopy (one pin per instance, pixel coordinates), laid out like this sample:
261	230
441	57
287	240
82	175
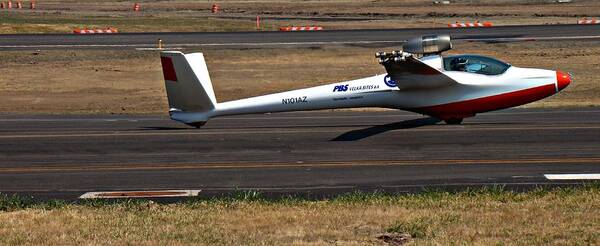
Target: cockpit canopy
475	64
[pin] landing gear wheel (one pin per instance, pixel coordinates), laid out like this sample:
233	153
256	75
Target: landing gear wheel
455	121
196	124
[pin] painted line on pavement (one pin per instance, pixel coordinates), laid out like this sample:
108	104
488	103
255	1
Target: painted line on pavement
521	39
178	46
193	132
575	176
323	164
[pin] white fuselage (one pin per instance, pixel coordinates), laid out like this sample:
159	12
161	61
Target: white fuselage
474	93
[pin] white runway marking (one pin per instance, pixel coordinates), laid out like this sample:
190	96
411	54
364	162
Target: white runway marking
577	176
530	38
177	46
155	49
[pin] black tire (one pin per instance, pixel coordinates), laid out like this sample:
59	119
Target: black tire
196	124
455	121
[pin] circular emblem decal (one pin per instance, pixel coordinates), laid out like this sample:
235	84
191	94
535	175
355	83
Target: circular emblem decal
389	81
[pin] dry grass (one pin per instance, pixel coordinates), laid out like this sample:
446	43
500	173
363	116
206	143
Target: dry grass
131	81
558	217
58	22
63	16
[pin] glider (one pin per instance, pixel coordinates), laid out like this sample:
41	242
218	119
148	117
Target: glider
418	79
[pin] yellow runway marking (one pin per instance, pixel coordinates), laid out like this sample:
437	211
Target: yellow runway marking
280	131
176	166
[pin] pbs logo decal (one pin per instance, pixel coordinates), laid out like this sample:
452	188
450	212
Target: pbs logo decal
389	81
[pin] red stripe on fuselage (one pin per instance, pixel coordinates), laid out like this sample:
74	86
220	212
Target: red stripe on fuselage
469	108
168	69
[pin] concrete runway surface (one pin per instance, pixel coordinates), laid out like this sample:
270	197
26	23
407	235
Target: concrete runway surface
220	40
309	153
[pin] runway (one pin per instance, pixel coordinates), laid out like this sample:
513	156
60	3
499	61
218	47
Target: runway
220	40
307	153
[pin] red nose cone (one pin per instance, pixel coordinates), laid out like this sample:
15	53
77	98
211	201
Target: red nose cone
562	80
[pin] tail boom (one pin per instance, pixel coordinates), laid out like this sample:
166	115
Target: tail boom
358	93
192	100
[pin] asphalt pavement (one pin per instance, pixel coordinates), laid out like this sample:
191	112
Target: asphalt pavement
309	153
362	37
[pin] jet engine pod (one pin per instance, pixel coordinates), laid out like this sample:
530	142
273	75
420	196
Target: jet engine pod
427	45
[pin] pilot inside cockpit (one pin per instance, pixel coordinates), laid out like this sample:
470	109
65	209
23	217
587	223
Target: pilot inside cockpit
475	64
458	64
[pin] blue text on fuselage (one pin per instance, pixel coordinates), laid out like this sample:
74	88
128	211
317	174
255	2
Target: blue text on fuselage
340	88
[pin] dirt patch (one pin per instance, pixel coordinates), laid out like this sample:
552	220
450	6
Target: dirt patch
131	81
395	239
62	16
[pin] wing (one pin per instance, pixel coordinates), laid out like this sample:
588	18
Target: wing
409	73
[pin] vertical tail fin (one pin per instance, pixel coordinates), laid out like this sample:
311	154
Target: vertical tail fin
187	81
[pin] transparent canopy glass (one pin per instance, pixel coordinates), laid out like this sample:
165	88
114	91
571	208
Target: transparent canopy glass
475	64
